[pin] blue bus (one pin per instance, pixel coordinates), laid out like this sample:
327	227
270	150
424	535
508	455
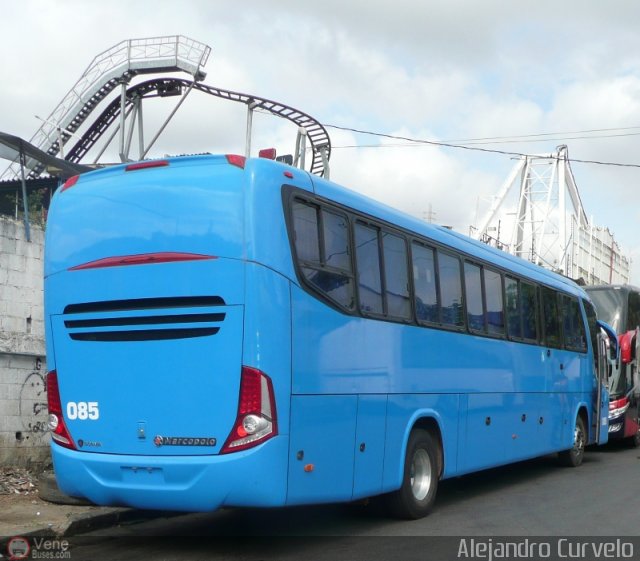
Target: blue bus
224	331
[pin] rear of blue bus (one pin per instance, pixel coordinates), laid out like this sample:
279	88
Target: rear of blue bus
167	342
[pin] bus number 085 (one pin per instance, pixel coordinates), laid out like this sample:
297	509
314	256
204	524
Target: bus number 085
83	410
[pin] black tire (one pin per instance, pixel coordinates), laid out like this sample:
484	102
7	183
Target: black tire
574	456
49	491
417	494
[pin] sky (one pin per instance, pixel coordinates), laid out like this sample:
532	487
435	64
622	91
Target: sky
436	70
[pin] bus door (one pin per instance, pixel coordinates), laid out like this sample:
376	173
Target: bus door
607	351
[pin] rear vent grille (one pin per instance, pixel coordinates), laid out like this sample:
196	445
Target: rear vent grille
145	319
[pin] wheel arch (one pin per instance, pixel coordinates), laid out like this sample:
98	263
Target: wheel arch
430	421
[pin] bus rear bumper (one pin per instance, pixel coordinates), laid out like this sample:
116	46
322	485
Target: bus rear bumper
255	477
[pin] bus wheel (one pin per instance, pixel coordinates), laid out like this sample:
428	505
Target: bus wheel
417	494
574	456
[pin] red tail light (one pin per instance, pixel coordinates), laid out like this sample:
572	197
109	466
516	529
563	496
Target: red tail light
70	183
618	407
618	403
58	429
147	165
256	420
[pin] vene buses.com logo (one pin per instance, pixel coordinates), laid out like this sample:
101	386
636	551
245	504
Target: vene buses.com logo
18	548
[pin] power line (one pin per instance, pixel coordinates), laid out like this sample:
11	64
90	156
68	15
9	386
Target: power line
472	147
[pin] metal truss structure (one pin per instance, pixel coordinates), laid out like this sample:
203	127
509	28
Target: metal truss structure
116	68
548	225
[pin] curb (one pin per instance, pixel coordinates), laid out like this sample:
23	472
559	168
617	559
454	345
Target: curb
84	523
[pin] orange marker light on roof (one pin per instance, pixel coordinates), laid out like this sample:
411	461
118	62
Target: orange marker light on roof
236	160
269	153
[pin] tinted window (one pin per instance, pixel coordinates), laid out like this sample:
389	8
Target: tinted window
551	317
450	289
473	288
573	327
512	307
368	262
324	259
396	274
424	280
305	227
336	240
528	309
493	295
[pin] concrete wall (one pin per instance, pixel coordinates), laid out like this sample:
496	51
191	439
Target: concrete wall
24	440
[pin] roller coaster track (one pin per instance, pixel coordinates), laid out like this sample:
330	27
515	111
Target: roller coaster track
315	132
115	68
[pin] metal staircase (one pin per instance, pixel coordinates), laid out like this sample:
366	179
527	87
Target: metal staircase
106	72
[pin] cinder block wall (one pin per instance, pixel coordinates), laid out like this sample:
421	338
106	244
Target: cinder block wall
24	440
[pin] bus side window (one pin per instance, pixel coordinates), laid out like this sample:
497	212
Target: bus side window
368	266
424	281
494	304
551	317
473	293
529	315
450	290
396	274
305	227
512	308
574	332
322	250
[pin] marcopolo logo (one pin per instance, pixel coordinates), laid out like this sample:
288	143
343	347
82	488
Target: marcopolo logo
184	441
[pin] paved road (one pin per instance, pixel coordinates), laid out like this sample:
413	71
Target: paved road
526	501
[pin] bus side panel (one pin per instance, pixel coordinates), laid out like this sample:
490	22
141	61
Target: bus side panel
267	333
369	445
321	452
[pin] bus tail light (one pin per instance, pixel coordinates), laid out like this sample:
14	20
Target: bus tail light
617	407
147	164
256	420
59	431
